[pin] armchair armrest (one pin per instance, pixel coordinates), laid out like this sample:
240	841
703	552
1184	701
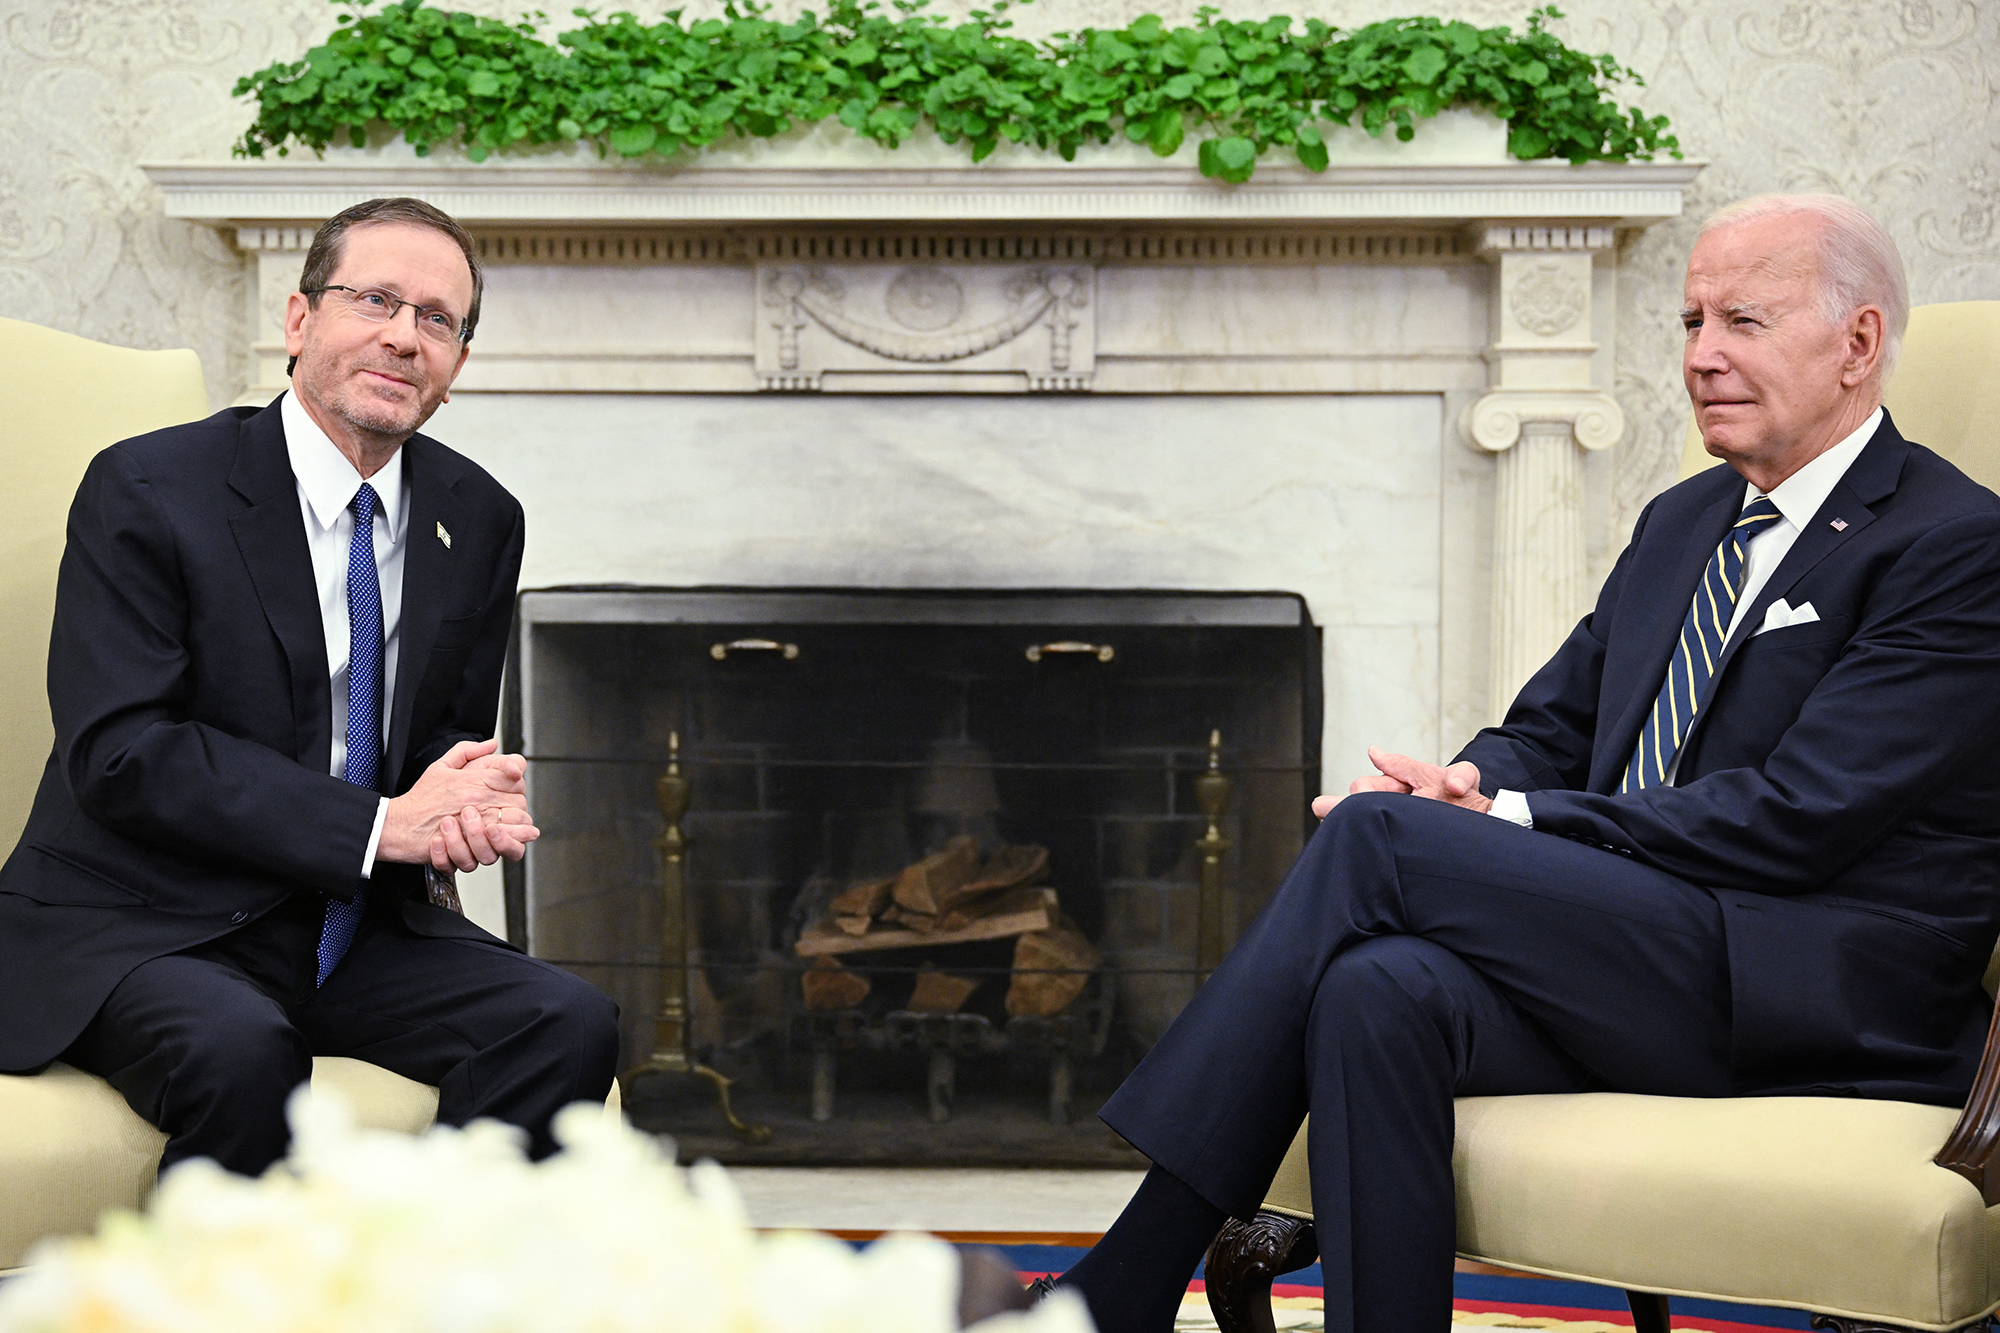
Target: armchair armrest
442	888
1971	1148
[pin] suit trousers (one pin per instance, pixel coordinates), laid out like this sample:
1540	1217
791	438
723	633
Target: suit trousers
207	1044
1418	952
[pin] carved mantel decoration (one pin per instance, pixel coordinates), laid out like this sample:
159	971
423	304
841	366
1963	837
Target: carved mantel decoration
1460	272
972	319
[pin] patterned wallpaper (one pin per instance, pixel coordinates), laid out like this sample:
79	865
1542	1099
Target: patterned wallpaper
1893	102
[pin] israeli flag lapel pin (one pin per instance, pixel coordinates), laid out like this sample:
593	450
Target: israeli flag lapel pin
444	536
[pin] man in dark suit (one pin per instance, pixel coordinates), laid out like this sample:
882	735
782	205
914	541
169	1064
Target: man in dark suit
1746	833
275	663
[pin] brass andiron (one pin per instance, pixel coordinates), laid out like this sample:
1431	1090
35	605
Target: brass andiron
1211	792
671	1053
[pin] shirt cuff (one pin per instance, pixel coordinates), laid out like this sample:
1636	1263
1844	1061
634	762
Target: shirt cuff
1512	806
375	839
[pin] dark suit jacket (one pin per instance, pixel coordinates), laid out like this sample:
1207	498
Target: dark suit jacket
1840	791
187	792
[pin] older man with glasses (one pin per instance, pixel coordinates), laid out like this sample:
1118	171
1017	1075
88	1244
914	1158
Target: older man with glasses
274	672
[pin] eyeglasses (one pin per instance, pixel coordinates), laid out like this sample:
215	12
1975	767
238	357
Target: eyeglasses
379	306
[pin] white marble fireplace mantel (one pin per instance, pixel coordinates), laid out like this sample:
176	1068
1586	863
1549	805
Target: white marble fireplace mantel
827	266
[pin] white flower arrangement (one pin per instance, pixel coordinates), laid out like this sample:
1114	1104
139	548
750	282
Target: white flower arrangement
456	1232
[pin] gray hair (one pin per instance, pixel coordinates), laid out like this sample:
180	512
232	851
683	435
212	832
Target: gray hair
1858	262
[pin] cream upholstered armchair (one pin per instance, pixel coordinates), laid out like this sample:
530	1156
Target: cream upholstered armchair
69	1146
1874	1215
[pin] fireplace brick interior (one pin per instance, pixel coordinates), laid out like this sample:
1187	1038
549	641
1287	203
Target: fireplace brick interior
830	737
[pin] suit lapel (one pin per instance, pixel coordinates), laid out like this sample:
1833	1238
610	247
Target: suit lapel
271	536
429	572
1654	638
1869	478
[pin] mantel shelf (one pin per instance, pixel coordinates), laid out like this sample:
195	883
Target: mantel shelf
589	193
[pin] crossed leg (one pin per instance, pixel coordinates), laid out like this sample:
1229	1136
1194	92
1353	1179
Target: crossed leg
1416	952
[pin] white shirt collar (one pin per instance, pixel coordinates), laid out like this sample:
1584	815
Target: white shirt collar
1800	495
328	480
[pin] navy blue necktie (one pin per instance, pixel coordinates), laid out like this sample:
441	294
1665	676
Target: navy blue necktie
1703	633
364	703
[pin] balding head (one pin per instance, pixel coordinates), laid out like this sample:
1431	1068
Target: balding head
1792	307
1859	264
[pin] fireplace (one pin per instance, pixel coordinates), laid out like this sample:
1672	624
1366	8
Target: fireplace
952	860
1385	387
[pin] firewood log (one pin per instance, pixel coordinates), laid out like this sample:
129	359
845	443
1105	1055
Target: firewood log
863	899
1009	868
925	886
1032	908
941	992
829	985
1051	968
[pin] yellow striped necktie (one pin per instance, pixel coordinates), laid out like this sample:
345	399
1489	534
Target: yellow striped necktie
1692	671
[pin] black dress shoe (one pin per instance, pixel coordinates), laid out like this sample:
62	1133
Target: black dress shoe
1040	1288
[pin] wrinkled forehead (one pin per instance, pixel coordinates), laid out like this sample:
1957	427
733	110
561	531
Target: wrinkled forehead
416	263
1766	259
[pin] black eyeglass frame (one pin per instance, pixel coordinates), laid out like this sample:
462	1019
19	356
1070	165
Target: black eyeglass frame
462	337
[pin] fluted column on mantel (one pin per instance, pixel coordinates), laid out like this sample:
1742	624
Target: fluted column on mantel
1540	413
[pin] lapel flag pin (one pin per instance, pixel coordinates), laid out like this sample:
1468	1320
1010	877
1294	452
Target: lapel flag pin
1839	525
445	537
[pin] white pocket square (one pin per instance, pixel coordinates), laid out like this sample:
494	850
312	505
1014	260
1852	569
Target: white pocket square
1780	616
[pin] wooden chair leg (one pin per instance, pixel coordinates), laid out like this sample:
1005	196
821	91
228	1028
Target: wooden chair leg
1649	1311
1242	1262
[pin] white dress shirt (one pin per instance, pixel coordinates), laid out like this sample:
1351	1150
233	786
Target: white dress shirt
1798	497
327	487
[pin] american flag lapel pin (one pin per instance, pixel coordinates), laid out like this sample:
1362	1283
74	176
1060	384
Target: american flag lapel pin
445	537
1839	525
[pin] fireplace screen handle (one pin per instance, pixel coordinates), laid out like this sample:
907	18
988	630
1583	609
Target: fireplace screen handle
721	651
1103	652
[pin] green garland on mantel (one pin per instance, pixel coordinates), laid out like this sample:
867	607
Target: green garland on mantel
635	89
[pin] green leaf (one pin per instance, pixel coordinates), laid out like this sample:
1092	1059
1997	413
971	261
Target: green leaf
1424	64
436	75
1210	60
1233	158
632	140
1527	142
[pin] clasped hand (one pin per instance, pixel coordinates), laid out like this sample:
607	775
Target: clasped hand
1456	785
469	809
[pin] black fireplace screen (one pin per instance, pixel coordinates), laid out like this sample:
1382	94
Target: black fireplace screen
950	861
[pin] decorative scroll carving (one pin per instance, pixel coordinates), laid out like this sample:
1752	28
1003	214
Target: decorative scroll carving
1547	298
1494	422
1970	1149
925	299
1244	1259
816	319
899	346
